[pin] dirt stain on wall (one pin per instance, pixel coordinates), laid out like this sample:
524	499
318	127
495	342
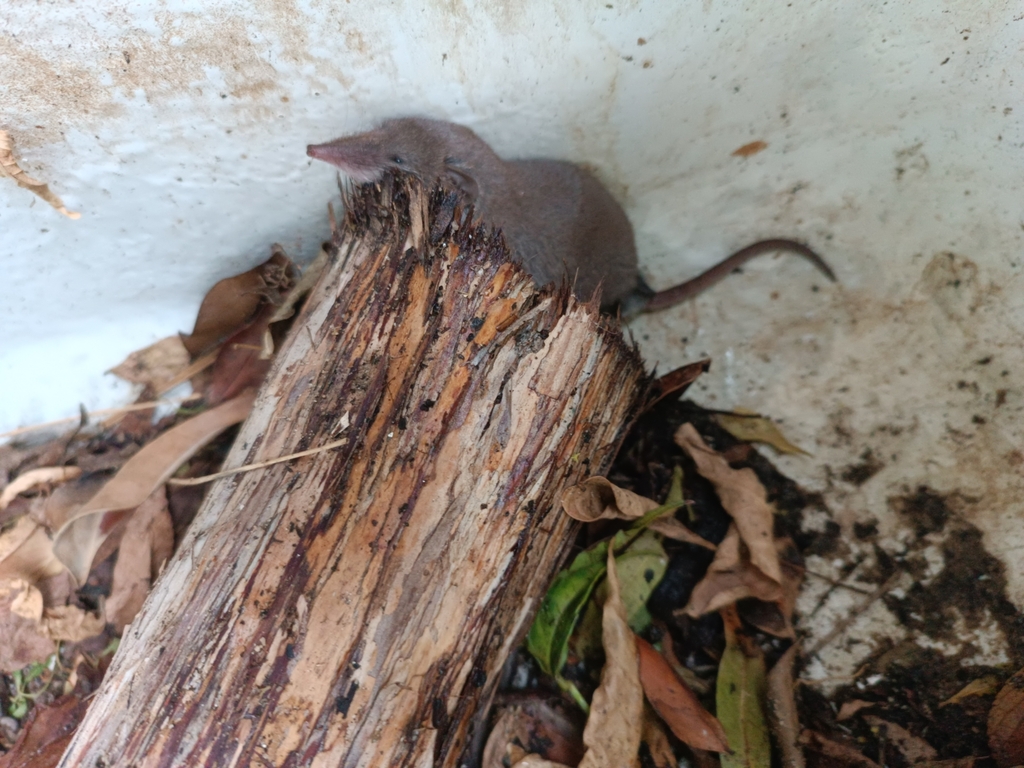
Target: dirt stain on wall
91	65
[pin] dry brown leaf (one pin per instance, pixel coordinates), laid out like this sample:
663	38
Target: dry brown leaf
676	703
302	286
913	748
671	528
504	743
194	372
57	590
658	745
232	303
530	761
26	481
70	623
1006	723
46	734
782	712
156	365
12	458
9	167
742	496
676	382
982	686
752	428
80	539
146	544
612	735
596	498
839	755
533	727
28	600
776	618
729	578
26	552
23	639
240	364
851	708
54	509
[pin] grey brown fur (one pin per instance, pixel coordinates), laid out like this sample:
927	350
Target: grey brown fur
558	219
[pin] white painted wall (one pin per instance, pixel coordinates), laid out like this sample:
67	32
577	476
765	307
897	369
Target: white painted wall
894	135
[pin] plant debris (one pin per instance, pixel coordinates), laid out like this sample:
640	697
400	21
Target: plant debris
9	167
752	428
82	540
1006	723
754	660
672	635
677	705
740	699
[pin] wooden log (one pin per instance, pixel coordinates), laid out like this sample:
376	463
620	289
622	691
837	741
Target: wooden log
354	607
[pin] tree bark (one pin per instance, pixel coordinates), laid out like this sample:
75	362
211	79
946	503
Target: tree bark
354	607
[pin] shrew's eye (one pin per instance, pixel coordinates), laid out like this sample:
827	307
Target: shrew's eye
397	160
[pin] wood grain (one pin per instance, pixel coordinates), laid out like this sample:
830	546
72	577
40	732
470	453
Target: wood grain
354	608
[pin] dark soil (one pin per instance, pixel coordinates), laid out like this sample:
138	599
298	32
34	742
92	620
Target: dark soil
906	684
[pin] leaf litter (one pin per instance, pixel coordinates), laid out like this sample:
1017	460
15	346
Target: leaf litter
1006	723
80	540
85	524
647	576
743	497
782	710
677	705
613	731
753	428
753	657
740	698
156	366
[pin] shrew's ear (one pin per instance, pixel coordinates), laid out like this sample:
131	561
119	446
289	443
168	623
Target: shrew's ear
459	176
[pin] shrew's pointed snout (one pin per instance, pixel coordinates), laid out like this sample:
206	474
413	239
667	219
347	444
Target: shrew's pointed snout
318	151
361	161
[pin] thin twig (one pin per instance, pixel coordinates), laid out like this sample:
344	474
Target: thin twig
258	465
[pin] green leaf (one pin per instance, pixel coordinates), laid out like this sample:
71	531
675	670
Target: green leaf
675	490
111	648
641	568
34	670
740	698
675	493
18	708
586	639
571	589
548	640
641	525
